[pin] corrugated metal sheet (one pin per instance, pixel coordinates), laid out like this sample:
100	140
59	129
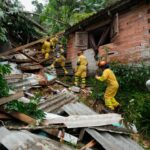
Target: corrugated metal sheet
23	140
54	103
114	141
81	109
78	121
107	140
78	109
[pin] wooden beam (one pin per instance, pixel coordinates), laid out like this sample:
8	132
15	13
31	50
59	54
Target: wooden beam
14	76
29	57
103	37
23	117
15	96
17	49
29	120
33	22
88	145
14	50
98	25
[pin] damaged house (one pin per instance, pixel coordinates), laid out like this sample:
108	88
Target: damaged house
124	28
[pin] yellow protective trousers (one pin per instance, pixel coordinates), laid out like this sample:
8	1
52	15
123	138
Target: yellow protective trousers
111	90
81	72
109	95
61	61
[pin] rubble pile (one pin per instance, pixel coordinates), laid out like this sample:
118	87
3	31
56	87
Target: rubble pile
66	119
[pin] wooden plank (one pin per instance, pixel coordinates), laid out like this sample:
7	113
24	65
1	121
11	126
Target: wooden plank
23	117
88	145
103	37
11	97
81	39
4	116
81	135
14	76
23	46
30	57
61	83
115	26
98	25
28	45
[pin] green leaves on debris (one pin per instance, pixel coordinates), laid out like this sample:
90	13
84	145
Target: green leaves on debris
30	108
4	89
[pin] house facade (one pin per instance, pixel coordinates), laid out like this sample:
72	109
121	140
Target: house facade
120	32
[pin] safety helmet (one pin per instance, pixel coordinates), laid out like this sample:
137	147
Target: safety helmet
79	52
102	63
58	55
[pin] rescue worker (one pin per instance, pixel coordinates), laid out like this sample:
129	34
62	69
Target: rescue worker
81	70
54	41
60	59
112	85
46	48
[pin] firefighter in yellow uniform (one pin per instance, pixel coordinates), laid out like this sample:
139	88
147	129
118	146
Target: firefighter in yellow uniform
54	41
60	59
112	85
81	70
46	48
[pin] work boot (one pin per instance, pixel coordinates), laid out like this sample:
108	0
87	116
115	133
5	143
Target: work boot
76	82
83	83
107	111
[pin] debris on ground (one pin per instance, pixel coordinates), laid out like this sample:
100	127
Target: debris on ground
62	117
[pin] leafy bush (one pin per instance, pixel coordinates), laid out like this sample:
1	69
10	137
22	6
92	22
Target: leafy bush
4	89
133	95
132	77
30	108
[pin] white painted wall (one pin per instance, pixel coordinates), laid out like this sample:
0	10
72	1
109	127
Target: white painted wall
92	67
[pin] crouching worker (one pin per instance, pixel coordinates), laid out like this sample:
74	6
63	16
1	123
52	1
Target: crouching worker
81	70
112	85
60	59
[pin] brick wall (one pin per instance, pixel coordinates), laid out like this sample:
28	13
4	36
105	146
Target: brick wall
71	51
133	40
132	44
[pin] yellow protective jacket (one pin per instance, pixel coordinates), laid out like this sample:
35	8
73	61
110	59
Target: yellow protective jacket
112	83
46	46
82	60
82	67
61	60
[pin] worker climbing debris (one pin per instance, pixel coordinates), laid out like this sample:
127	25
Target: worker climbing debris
60	59
112	85
46	49
81	70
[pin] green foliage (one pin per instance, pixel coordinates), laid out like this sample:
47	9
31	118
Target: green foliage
131	76
133	95
98	89
60	14
14	24
30	108
4	89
